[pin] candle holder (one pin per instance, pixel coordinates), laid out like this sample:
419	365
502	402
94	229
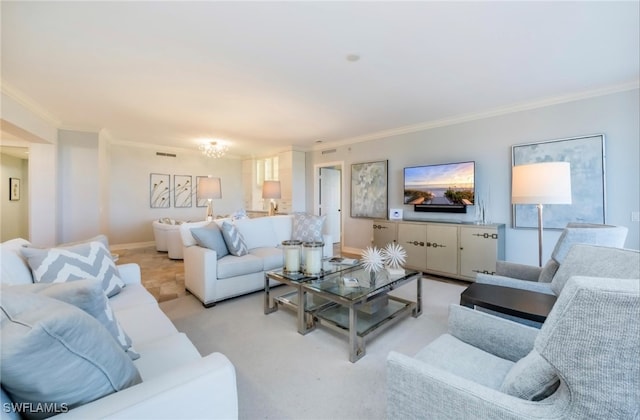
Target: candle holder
292	256
313	257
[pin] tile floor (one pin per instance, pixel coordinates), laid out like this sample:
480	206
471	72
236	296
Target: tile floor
161	276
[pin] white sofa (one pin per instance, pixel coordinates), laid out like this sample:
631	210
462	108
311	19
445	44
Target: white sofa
177	382
211	279
167	237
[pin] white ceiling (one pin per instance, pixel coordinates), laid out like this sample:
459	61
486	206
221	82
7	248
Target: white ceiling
268	75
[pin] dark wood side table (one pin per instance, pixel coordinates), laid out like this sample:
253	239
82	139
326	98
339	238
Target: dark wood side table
525	304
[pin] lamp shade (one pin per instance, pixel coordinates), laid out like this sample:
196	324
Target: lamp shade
541	183
208	188
271	189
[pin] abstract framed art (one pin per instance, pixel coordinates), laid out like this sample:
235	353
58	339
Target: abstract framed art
159	191
369	190
182	191
586	156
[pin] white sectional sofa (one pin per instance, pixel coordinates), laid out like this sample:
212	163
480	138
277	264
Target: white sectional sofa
177	382
211	279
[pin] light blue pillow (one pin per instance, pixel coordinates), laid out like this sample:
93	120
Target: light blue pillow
211	237
234	240
56	353
88	296
84	261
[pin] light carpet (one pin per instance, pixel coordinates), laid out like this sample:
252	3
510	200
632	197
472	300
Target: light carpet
284	375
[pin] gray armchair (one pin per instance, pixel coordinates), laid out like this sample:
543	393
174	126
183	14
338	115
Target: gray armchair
583	363
573	233
521	276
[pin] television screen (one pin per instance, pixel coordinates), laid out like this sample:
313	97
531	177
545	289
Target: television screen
449	184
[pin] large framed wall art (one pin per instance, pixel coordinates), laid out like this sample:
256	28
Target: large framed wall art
159	191
586	156
369	191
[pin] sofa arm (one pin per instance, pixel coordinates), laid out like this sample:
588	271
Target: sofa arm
130	273
501	337
532	286
205	388
201	272
417	390
518	271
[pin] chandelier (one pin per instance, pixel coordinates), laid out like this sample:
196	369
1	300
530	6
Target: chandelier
213	149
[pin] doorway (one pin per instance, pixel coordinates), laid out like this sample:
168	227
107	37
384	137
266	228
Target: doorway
328	198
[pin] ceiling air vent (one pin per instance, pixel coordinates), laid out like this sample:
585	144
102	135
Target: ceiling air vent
166	154
326	152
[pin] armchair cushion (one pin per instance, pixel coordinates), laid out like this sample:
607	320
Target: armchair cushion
307	227
531	378
470	362
84	261
234	240
211	237
56	353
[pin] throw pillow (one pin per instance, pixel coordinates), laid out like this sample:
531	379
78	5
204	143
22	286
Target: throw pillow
211	237
55	353
84	261
88	296
531	378
234	240
307	227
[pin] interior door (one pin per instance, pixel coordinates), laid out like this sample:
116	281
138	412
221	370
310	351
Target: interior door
330	206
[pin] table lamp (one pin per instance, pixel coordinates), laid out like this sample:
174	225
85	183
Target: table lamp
271	190
209	188
539	184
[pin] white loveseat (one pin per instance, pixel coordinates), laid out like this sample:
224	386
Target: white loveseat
177	382
211	279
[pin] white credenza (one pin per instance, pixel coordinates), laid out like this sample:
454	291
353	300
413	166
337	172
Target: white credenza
456	250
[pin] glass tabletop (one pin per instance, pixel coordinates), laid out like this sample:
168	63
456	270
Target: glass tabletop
328	268
355	283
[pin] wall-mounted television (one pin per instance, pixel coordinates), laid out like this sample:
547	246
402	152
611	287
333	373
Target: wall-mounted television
447	187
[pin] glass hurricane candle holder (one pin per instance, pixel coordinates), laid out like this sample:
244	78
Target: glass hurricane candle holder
313	257
291	256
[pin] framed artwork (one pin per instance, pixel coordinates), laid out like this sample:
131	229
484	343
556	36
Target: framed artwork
159	191
203	201
586	156
14	189
182	189
369	191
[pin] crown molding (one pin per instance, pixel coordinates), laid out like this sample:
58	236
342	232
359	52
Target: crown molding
482	115
29	104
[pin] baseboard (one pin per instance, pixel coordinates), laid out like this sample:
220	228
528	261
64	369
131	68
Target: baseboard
349	250
133	245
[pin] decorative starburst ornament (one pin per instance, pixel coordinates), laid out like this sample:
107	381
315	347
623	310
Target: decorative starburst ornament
394	255
372	259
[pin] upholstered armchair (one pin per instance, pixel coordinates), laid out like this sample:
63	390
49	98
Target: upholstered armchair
521	276
582	364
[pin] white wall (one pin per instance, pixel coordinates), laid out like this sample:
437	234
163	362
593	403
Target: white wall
14	213
130	215
488	142
79	178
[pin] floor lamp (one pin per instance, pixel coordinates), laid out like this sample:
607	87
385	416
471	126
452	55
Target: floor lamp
271	190
539	184
208	188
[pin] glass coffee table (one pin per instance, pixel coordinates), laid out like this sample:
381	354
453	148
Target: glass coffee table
346	299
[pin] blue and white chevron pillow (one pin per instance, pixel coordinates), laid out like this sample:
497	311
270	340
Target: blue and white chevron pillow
91	260
234	240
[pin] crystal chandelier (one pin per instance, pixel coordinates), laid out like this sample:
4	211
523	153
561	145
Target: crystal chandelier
213	149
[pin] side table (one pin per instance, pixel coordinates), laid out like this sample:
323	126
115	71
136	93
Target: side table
520	303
